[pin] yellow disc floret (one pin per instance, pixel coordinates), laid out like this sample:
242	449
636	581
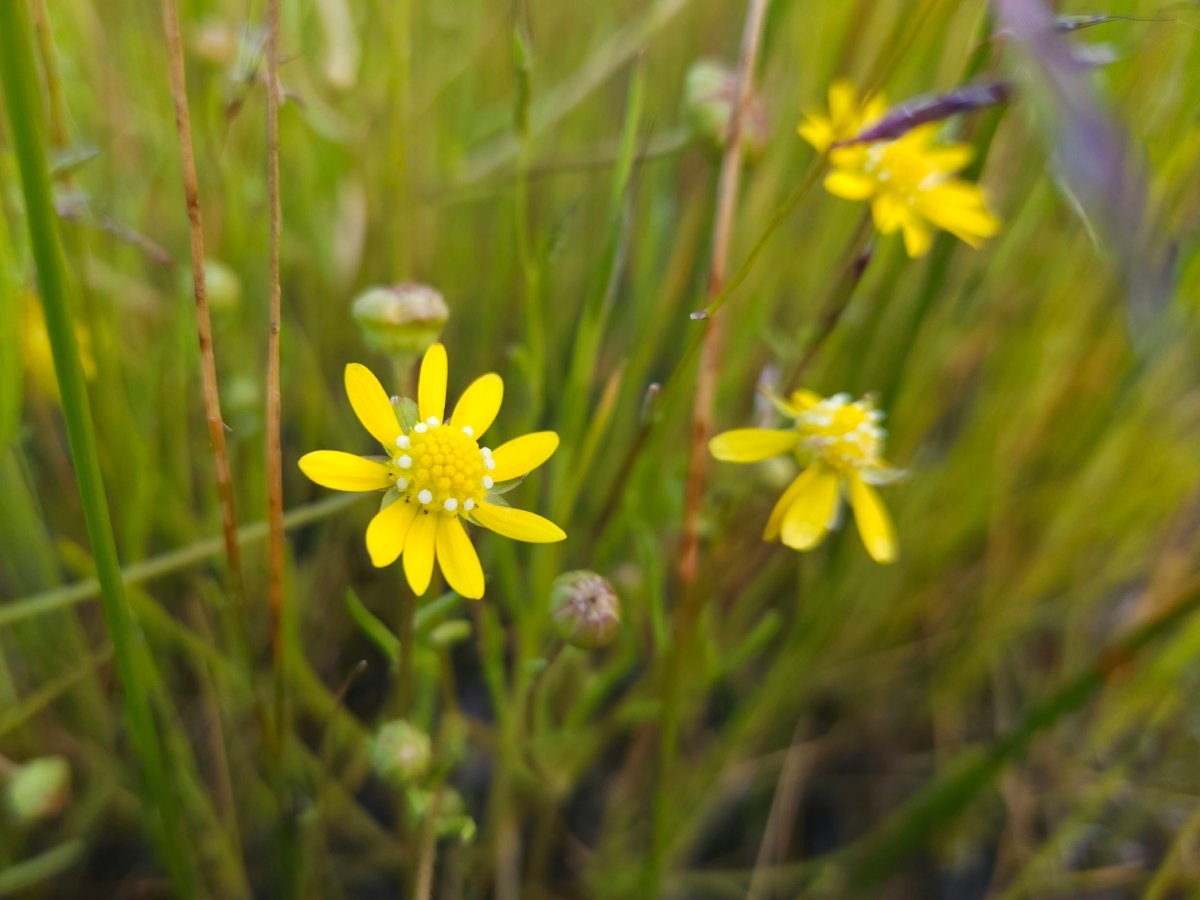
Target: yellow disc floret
844	435
442	467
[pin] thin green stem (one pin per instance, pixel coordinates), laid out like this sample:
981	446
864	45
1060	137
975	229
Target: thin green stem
19	74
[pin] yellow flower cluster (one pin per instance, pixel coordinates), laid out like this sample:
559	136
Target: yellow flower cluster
910	181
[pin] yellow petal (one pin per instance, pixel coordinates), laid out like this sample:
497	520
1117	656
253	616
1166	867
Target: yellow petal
517	524
457	558
524	454
874	524
752	444
372	405
805	523
843	101
918	238
849	185
888	211
419	551
387	531
799	483
431	384
478	405
817	130
345	471
799	401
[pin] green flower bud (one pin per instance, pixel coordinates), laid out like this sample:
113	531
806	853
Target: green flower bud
401	752
403	320
709	96
224	286
585	609
39	789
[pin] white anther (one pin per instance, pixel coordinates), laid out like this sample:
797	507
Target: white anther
876	415
426	496
468	431
468	504
451	504
486	451
489	463
404	462
839	399
402	483
488	482
420	428
403	442
852	437
432	422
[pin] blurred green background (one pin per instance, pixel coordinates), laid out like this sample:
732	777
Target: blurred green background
1052	453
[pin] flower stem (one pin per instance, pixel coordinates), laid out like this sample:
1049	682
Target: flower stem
19	76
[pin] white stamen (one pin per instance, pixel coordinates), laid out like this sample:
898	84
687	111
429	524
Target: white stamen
426	496
420	428
486	451
403	442
468	504
468	431
489	463
875	415
488	482
402	483
451	504
404	462
839	399
432	422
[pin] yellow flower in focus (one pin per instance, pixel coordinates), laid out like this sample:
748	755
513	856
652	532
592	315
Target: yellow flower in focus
436	476
839	445
848	116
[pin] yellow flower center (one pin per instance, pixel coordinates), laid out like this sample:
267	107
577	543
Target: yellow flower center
843	435
901	168
442	467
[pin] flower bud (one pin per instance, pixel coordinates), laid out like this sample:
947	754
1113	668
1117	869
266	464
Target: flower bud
401	752
402	320
39	789
224	286
585	609
710	95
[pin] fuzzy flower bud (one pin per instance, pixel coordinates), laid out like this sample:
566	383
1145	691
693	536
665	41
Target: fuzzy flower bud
403	320
401	752
39	789
710	94
585	609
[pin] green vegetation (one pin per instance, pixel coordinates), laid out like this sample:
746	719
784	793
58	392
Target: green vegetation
1005	710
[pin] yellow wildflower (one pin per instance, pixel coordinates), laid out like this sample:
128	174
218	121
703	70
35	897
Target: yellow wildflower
910	181
839	445
435	475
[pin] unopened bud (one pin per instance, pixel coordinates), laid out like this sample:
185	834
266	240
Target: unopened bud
224	286
39	789
401	752
402	320
710	95
585	609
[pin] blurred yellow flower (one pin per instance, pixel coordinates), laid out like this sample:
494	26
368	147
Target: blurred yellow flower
435	475
910	181
839	445
35	349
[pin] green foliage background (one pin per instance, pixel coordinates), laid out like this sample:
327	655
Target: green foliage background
1051	503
